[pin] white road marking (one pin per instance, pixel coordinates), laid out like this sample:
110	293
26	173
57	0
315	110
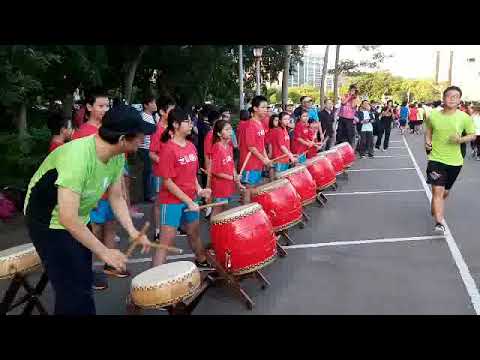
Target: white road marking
393	169
467	278
304	246
372	192
397	147
390	156
359	242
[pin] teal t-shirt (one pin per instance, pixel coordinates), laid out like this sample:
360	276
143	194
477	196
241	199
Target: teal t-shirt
75	166
443	126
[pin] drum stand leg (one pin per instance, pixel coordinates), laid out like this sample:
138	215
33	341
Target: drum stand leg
280	249
187	306
334	186
31	298
306	217
231	281
263	279
284	233
322	199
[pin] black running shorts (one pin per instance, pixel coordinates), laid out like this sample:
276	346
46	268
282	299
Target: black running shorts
439	174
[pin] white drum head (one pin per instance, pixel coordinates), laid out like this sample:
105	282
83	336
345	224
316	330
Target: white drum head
163	273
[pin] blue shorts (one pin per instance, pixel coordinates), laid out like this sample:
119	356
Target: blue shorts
302	158
126	171
217	200
403	122
157	181
281	167
251	177
102	213
174	215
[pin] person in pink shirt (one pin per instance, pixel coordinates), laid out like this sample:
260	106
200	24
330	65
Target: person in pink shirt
346	130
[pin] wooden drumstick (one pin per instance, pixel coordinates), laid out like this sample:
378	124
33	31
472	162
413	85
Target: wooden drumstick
134	243
245	162
210	205
279	158
204	171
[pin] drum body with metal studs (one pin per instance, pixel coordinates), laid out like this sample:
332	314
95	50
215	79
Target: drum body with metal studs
281	203
20	259
347	153
322	171
243	239
165	285
302	181
336	159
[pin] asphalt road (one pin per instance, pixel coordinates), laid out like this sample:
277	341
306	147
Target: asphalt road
370	251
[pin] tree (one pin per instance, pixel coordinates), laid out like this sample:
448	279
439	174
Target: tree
324	75
286	71
336	72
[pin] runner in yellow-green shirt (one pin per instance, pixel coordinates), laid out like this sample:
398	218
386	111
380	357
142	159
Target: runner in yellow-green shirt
445	131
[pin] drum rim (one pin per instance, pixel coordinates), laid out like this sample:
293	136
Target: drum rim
294	170
236	213
264	188
314	159
27	248
191	269
257	266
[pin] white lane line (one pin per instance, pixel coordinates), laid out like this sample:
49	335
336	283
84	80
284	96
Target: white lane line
303	246
389	156
393	169
373	192
467	278
395	141
359	242
397	147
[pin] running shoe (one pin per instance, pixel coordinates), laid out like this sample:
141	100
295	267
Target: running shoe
181	232
110	270
371	156
116	238
478	158
135	213
383	150
208	212
439	229
100	281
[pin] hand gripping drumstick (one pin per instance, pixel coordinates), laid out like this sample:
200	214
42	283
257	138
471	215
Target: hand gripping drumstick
279	158
134	243
210	205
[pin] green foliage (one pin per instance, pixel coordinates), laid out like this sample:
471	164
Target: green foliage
295	93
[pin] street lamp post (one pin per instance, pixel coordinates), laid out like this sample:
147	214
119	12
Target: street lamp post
257	52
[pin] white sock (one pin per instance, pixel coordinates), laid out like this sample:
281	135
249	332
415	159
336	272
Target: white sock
157	231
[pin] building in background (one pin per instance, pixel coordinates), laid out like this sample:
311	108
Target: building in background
310	73
466	73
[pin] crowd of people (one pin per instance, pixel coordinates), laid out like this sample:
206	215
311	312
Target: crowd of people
189	156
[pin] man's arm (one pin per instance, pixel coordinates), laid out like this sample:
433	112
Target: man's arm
263	158
120	208
68	205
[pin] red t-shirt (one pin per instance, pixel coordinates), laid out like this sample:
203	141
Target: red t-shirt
85	130
207	145
279	137
266	123
313	150
254	136
53	145
412	116
222	162
241	131
156	146
181	165
301	132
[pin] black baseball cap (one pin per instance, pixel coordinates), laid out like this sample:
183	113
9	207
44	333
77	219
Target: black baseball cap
124	119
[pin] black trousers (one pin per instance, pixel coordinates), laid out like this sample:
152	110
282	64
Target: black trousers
69	268
383	129
345	131
366	142
148	191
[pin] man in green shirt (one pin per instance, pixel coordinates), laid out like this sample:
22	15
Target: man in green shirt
443	137
66	187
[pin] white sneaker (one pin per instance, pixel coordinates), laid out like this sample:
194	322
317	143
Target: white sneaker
116	238
208	211
383	150
439	229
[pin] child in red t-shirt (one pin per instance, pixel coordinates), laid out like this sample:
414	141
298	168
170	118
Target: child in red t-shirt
180	188
272	124
313	133
60	131
222	170
280	143
302	137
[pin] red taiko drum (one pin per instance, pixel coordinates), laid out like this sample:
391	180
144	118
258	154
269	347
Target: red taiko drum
322	171
302	181
243	239
347	153
336	159
280	202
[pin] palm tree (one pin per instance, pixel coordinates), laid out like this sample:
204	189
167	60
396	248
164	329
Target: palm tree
324	74
286	68
335	75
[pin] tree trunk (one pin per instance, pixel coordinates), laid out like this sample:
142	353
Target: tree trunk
335	75
67	108
286	68
21	119
324	76
130	75
241	76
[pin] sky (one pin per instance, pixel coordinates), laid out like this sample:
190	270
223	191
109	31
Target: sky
409	61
